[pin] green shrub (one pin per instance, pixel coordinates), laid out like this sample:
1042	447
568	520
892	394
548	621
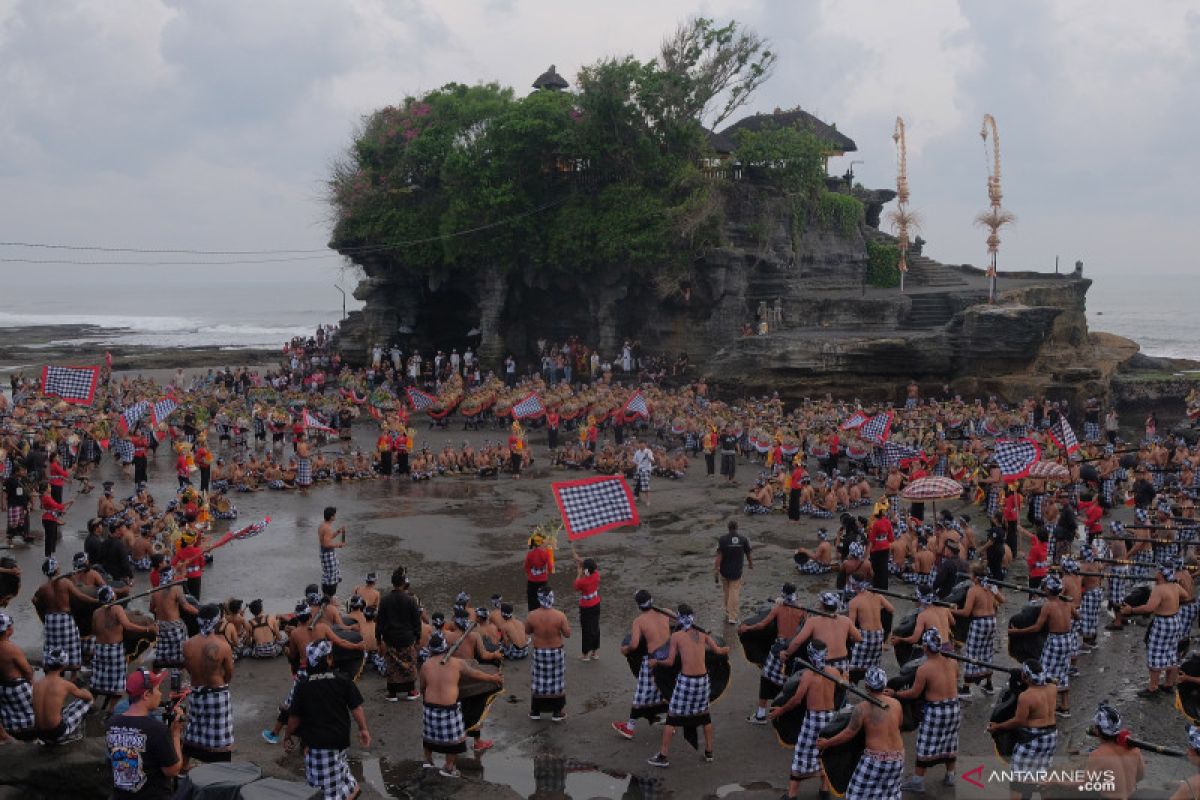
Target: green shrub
840	212
882	264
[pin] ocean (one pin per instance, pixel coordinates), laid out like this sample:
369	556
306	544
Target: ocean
1156	311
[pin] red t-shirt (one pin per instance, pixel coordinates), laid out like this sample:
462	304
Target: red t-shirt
589	590
51	508
881	534
537	565
798	477
1012	507
1038	558
193	556
181	466
58	475
835	444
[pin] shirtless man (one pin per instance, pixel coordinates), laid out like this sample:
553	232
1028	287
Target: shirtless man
54	723
923	558
472	646
1034	717
817	694
882	764
1091	575
547	627
109	624
855	566
264	632
368	592
1115	755
688	707
1057	616
650	633
787	617
514	642
1163	637
167	607
327	537
866	613
936	683
209	662
931	615
833	630
979	607
487	630
891	489
442	725
819	561
16	694
52	600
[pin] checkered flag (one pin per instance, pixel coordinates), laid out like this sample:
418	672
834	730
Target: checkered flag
531	406
1063	436
163	408
420	400
313	422
1016	457
855	421
878	428
132	415
73	384
637	406
895	454
594	505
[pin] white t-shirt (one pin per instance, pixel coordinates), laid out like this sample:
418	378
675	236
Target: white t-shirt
643	459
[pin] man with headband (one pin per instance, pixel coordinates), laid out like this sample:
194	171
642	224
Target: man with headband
321	709
327	538
1056	617
514	641
930	616
866	614
835	631
1162	640
109	624
209	662
817	695
786	616
53	601
368	591
397	631
819	561
648	635
1115	754
936	683
983	598
16	694
688	707
1091	575
547	627
1033	719
877	775
442	729
55	723
167	606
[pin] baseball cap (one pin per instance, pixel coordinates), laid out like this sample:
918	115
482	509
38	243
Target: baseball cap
142	680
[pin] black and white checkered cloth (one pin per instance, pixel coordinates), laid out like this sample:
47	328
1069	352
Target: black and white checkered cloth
1056	657
331	570
108	669
531	406
168	647
124	448
1089	612
209	718
16	705
1064	436
637	405
981	645
593	505
61	633
442	729
548	675
265	650
1091	431
1016	457
132	415
72	384
72	717
690	697
17	516
877	777
891	454
514	653
329	771
1034	750
641	480
1187	618
869	652
1118	585
1162	641
805	757
772	668
304	472
878	428
163	408
420	400
937	738
646	693
814	567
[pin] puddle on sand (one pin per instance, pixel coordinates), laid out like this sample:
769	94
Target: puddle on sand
545	777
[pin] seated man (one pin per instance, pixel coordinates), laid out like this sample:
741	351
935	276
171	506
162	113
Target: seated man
16	697
53	723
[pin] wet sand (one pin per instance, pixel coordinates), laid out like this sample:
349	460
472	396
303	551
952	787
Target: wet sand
463	533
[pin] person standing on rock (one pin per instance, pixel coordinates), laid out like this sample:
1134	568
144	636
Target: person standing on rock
727	443
442	729
787	617
879	770
816	693
936	683
208	659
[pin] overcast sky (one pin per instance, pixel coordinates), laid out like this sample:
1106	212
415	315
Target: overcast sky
211	124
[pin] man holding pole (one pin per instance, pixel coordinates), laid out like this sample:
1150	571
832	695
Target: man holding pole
109	624
442	722
816	692
882	764
936	683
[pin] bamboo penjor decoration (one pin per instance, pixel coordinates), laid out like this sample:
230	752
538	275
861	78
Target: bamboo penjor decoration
902	219
995	217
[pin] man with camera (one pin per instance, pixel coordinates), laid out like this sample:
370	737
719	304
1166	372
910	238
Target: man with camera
144	753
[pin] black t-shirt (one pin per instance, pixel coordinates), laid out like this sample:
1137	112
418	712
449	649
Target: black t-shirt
728	443
398	622
733	547
323	703
14	492
114	557
138	749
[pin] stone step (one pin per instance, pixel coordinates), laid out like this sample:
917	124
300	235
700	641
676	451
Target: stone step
929	311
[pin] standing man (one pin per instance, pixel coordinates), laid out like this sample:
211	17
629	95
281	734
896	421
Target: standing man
708	443
980	607
650	631
1162	639
442	729
787	617
109	624
208	659
144	753
331	570
321	709
53	600
397	631
16	504
728	445
1034	718
538	566
882	764
866	614
167	607
816	693
1057	616
547	627
936	683
643	463
732	550
881	535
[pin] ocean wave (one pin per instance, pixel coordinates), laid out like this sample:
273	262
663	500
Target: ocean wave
111	321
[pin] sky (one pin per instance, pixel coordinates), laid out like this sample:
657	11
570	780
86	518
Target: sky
212	124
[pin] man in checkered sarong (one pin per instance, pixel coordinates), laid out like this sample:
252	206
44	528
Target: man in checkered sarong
442	729
209	661
1034	723
648	634
866	612
321	709
55	723
331	570
167	606
109	624
53	600
1092	597
878	772
688	706
786	617
548	627
980	607
1057	616
816	694
936	682
16	693
1162	637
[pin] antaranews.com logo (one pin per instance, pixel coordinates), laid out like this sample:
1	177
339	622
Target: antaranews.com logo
993	778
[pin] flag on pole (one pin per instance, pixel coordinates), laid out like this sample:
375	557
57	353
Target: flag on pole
73	384
854	421
1063	436
878	428
894	454
314	422
637	406
1016	457
420	400
530	406
594	505
132	415
163	408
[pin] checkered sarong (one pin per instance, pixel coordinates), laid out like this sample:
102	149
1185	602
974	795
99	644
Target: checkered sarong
329	771
1162	641
641	480
1056	658
1187	618
17	517
1089	612
1091	431
877	777
813	567
513	653
646	693
1034	750
331	570
690	698
548	675
209	718
70	719
1143	567
61	633
993	502
937	738
168	647
805	761
1118	585
16	705
303	472
265	650
981	645
442	729
868	652
108	669
124	449
772	668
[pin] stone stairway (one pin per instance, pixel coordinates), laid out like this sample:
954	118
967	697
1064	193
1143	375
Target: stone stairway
929	310
924	271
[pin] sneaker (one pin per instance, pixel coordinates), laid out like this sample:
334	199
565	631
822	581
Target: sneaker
1062	712
708	756
391	698
428	765
623	729
413	695
914	785
449	773
483	745
948	779
269	737
755	719
537	717
658	760
558	717
988	689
